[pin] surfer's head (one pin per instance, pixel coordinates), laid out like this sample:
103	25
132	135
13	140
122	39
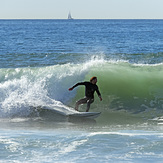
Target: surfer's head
93	80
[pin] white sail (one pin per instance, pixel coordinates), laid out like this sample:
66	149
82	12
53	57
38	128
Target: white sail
69	16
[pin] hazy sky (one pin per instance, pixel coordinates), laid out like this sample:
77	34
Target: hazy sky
81	9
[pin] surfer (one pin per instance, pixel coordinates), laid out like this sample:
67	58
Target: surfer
90	88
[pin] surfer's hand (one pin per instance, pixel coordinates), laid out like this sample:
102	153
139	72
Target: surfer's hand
70	89
100	98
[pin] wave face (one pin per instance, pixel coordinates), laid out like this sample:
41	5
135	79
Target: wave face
131	87
124	86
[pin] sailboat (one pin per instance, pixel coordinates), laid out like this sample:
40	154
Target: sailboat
69	16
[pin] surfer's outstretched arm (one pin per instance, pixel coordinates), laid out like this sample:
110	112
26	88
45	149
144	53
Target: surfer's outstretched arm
81	83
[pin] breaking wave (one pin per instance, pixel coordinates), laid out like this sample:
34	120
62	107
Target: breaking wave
134	88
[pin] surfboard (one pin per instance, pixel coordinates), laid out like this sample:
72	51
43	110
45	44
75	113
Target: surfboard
68	113
90	115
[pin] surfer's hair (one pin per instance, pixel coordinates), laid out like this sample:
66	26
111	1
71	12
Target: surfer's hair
93	78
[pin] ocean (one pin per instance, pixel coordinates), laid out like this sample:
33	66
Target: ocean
41	59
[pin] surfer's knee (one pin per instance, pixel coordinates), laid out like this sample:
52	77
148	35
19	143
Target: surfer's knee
90	101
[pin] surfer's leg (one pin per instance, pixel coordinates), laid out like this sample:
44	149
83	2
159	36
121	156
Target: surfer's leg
81	101
89	102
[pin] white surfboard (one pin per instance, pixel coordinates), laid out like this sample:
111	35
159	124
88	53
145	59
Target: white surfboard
90	115
70	113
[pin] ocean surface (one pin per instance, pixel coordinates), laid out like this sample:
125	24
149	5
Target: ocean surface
41	59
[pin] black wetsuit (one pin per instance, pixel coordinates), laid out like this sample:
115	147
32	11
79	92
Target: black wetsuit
89	89
89	94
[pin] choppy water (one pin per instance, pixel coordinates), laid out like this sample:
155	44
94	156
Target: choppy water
41	59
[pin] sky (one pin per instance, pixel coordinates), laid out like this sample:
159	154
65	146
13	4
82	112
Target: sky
81	9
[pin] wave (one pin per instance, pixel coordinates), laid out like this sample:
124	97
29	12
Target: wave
134	88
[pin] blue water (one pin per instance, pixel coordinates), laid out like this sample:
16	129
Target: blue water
50	42
41	59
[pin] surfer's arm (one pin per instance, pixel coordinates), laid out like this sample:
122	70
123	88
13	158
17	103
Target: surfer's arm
99	94
81	83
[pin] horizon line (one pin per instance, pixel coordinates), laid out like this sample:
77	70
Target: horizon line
81	19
